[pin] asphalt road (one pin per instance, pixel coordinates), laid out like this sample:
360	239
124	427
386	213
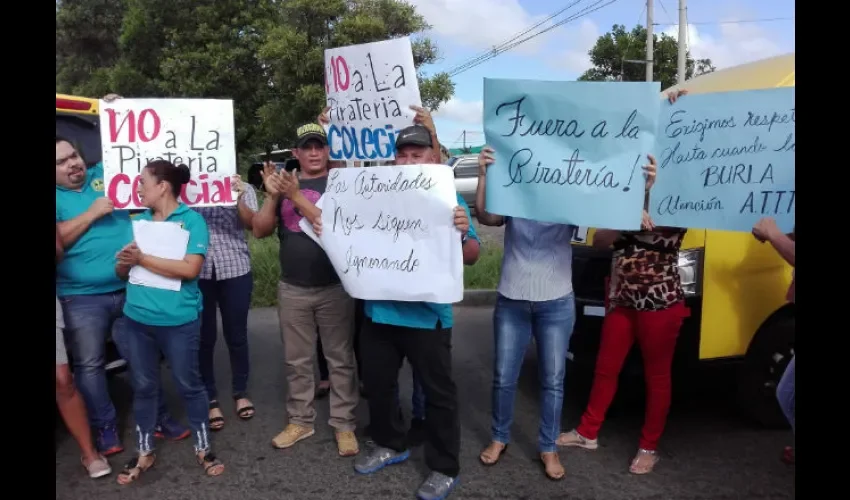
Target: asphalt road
708	452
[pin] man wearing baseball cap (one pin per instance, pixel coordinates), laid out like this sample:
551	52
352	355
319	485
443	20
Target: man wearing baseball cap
310	298
420	332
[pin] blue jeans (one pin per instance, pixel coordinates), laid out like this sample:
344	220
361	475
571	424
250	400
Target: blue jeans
785	393
181	345
417	401
89	321
515	322
233	297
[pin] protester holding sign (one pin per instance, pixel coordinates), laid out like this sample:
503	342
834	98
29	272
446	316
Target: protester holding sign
646	304
91	294
311	300
166	320
226	283
420	332
766	230
423	118
535	300
68	400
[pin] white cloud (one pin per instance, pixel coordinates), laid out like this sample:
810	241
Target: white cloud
578	41
480	24
460	111
735	44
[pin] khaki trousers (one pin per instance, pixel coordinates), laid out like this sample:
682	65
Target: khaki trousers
327	311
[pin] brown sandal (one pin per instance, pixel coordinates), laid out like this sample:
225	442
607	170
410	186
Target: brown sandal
216	419
212	465
132	471
552	465
490	456
245	412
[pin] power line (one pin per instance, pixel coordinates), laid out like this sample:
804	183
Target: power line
496	48
582	13
629	45
669	17
740	21
495	53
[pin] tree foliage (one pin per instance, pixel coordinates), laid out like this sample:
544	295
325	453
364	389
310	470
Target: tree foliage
266	55
612	52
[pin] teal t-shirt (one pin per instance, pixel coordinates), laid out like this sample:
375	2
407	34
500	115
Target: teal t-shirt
416	314
88	267
158	307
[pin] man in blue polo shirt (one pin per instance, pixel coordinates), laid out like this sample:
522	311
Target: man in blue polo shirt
420	332
91	294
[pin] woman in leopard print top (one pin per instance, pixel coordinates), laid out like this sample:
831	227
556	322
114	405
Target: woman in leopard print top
645	305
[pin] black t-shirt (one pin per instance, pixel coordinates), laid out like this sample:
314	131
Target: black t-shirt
302	261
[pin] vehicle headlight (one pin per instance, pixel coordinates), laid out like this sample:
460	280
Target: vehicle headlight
690	271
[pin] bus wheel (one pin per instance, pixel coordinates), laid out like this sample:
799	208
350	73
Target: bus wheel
769	353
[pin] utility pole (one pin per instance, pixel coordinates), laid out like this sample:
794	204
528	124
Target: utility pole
683	41
649	40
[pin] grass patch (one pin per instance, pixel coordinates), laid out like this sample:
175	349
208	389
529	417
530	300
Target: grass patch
266	268
484	275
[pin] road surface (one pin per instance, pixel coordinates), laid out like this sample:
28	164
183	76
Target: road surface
708	452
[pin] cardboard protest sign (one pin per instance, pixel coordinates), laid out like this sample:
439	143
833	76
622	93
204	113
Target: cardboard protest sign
370	89
570	152
196	132
389	232
726	160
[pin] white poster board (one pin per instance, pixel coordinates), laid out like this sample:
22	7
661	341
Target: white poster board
370	89
196	132
389	233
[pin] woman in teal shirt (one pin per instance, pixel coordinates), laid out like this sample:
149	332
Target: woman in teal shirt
166	320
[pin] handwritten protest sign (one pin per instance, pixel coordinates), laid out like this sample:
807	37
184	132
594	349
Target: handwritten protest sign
195	132
370	89
726	160
389	232
569	152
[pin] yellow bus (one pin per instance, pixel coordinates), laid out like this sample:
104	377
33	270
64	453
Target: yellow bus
77	119
735	286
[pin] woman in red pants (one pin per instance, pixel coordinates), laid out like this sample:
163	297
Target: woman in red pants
645	305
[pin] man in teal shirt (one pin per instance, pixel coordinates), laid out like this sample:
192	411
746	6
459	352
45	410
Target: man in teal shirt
420	332
91	294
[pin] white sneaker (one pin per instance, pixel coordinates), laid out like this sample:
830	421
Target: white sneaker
98	467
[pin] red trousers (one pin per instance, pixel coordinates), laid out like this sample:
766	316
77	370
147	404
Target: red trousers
656	333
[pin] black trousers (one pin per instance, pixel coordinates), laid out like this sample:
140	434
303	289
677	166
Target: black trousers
429	352
358	323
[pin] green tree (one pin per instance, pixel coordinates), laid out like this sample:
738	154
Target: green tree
266	55
612	52
87	44
293	54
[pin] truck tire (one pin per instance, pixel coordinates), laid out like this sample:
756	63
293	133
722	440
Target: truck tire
767	357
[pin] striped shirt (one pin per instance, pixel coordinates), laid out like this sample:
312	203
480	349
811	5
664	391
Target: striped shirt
538	260
228	250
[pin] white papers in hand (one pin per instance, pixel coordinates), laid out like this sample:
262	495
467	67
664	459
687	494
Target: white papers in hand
166	240
307	227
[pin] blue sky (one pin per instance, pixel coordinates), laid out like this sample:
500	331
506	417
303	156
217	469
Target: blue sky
464	29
